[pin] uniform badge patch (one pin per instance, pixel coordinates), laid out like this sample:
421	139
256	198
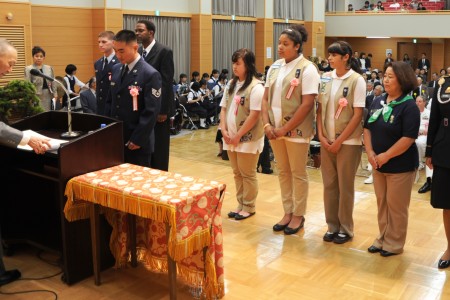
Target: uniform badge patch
156	93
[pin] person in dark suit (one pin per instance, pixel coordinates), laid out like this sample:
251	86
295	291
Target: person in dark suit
103	67
388	60
420	90
424	63
88	99
12	137
437	149
159	57
433	83
134	98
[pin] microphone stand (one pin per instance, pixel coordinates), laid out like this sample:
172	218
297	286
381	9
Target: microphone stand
69	134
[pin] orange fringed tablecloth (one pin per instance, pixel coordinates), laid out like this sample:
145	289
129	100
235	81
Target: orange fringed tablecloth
190	205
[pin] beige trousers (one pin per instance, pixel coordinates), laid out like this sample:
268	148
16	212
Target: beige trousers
338	176
393	192
244	170
291	163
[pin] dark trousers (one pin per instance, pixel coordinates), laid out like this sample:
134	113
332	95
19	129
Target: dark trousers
264	157
2	265
160	156
137	157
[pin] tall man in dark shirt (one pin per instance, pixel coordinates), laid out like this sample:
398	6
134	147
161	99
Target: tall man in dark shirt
103	68
160	57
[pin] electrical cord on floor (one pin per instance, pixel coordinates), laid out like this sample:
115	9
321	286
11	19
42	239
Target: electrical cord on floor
56	263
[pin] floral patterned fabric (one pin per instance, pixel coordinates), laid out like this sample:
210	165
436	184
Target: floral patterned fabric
191	206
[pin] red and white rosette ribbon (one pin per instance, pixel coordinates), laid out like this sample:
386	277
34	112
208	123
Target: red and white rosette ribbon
342	104
237	101
134	92
294	83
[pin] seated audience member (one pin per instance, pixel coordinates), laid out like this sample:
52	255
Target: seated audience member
420	90
364	63
373	78
72	80
423	75
195	78
88	98
193	104
208	103
366	6
405	7
350	8
420	6
182	86
421	142
205	77
325	66
219	87
406	59
443	72
369	88
225	72
433	82
213	79
395	4
414	4
380	6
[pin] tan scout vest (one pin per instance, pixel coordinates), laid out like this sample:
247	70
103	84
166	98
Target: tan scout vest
289	106
347	112
257	131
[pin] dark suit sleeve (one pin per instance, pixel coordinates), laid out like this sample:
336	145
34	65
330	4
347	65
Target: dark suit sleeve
167	70
368	63
85	103
149	113
433	124
9	136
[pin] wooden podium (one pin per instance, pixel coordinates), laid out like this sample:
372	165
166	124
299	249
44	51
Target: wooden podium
32	187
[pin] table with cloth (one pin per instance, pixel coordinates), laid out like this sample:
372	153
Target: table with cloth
189	205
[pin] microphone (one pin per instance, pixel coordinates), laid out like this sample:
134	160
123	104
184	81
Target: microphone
36	72
69	133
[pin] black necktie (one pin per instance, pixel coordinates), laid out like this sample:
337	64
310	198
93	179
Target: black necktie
105	61
124	72
144	54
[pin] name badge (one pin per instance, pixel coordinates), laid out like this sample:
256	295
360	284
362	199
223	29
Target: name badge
242	100
345	92
113	83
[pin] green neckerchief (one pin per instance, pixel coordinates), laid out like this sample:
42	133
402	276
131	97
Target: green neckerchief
386	110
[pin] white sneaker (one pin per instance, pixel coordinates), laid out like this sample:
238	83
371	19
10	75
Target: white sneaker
369	180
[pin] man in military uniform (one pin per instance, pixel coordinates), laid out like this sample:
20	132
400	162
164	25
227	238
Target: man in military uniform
134	99
103	68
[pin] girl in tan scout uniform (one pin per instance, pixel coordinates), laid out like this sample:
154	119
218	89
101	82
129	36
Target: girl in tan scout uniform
342	100
242	130
288	115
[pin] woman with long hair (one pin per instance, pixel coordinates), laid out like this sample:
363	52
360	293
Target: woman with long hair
242	130
339	115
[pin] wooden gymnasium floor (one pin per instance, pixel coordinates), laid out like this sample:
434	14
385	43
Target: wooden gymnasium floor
261	264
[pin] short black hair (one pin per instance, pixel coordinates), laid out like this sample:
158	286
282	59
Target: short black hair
202	82
148	24
405	75
70	69
36	50
126	36
195	74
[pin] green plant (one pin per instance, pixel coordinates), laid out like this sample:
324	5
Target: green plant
19	96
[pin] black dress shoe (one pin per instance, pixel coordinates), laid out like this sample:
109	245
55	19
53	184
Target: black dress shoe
232	214
9	276
425	187
288	230
341	238
443	264
239	217
329	236
373	249
385	253
279	227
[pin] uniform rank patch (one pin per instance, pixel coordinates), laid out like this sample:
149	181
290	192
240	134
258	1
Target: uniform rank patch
156	93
